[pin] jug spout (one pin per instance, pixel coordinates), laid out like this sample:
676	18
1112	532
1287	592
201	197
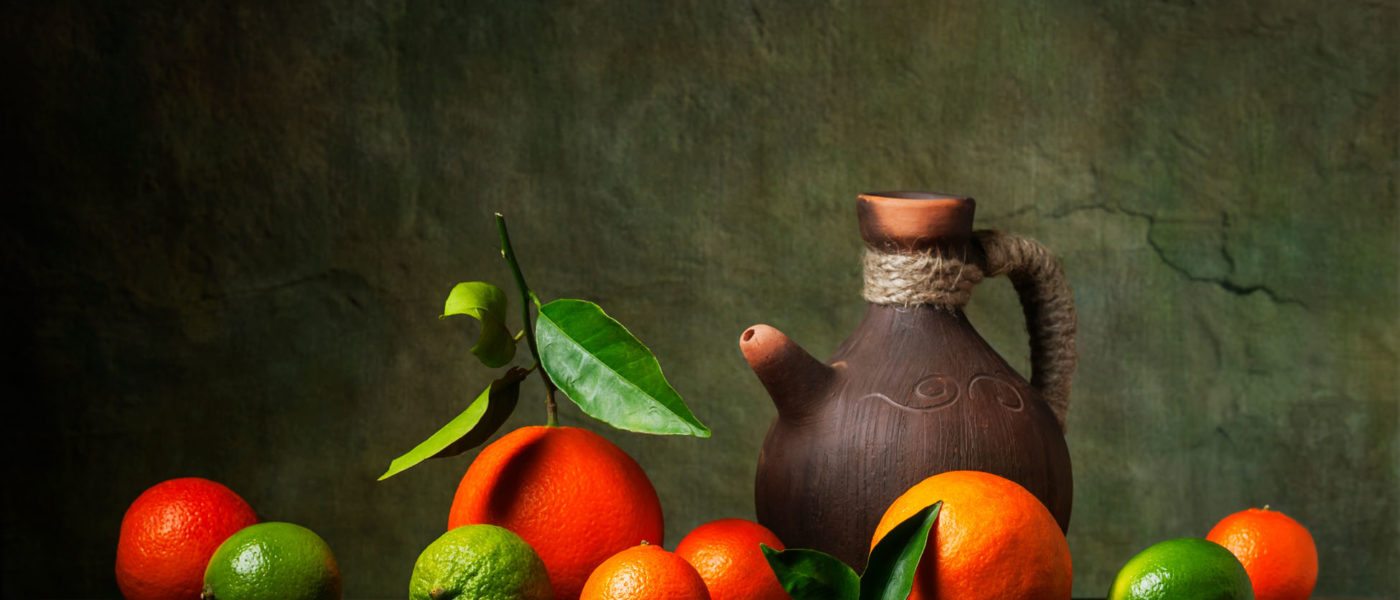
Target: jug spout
792	377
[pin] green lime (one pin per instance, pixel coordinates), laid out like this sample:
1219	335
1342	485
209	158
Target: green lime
482	562
1183	568
272	561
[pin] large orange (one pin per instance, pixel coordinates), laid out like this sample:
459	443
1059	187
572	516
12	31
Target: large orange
728	558
168	534
572	495
993	540
1276	551
645	572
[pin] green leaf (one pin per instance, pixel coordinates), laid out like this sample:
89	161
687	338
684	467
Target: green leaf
812	575
889	574
609	373
486	303
470	429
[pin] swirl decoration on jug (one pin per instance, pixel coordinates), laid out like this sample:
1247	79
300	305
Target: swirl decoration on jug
936	277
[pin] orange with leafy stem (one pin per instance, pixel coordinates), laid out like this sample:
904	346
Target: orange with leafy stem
576	498
1276	551
993	540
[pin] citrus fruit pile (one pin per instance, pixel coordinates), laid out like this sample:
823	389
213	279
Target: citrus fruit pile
560	513
589	514
571	502
194	538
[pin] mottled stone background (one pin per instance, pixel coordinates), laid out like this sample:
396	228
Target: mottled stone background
228	229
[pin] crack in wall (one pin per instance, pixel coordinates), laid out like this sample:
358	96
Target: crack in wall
1223	283
1225	240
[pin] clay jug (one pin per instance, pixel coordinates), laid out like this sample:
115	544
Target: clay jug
915	391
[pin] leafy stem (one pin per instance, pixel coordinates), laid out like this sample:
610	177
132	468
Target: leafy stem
526	296
578	350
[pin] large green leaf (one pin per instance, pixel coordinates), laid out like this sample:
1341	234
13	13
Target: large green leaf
889	574
486	303
470	429
607	372
812	575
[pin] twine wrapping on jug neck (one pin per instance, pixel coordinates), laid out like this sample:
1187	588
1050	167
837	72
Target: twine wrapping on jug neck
944	278
935	276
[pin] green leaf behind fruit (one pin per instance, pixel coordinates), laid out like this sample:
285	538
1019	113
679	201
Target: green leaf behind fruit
812	575
889	574
607	372
487	304
470	429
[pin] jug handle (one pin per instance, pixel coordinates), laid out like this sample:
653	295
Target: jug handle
1048	303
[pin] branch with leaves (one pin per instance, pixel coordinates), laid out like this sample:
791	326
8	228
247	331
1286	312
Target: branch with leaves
576	348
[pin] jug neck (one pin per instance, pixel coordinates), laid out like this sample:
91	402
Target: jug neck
940	277
919	249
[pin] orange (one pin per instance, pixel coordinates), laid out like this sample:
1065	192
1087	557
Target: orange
1276	551
727	556
572	495
992	540
170	531
645	572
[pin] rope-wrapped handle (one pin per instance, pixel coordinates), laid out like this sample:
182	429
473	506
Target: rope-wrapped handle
1048	303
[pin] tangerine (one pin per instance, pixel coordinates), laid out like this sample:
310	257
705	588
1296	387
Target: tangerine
1276	551
170	531
728	558
576	498
645	572
992	540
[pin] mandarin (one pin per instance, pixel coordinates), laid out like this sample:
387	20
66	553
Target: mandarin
168	534
1276	551
726	553
645	572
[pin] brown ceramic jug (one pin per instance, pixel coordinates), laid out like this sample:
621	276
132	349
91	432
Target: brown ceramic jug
915	391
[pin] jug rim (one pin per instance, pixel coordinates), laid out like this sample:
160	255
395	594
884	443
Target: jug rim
910	221
911	195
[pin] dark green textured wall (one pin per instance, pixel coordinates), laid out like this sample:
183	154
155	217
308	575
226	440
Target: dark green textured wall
228	229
